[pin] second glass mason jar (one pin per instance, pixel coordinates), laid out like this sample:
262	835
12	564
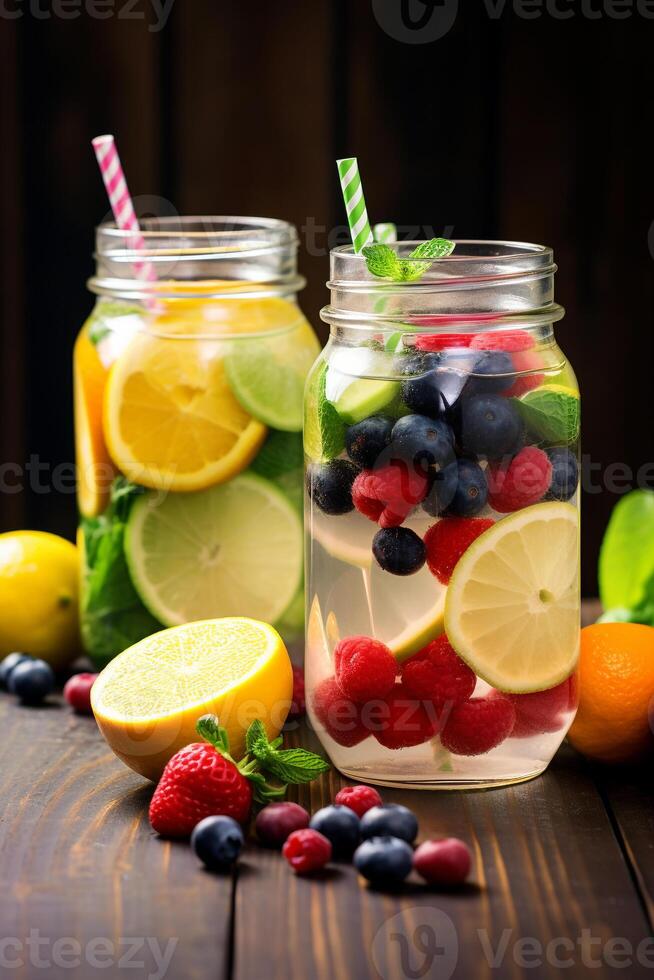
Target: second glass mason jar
188	418
442	523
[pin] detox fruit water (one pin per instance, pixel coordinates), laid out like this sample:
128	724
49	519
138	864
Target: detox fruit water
441	520
188	418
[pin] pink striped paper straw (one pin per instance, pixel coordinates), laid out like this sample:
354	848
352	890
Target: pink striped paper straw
121	202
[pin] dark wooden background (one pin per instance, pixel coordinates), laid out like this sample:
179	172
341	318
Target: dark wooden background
506	127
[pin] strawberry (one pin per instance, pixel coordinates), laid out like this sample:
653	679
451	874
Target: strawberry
203	780
447	541
478	725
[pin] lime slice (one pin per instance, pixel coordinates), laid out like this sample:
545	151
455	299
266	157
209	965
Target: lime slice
324	431
551	413
281	460
347	538
358	384
267	374
512	608
234	549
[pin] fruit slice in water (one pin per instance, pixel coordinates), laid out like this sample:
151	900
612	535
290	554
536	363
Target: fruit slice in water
148	699
364	397
267	375
362	388
324	430
551	413
512	607
95	471
229	550
171	421
407	613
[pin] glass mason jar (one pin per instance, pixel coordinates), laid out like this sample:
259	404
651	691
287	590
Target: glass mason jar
442	525
188	418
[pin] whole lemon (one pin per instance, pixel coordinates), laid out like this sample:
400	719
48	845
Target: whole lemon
39	588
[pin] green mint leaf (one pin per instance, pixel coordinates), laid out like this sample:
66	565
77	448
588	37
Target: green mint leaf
209	728
626	563
382	261
436	248
255	734
296	765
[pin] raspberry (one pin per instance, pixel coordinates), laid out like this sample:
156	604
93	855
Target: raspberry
358	798
401	721
447	541
298	705
478	725
306	850
443	862
524	481
510	341
339	716
365	668
442	341
542	711
389	494
525	361
438	675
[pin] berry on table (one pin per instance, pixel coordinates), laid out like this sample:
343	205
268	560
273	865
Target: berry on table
490	426
565	473
438	675
478	725
443	862
471	494
359	798
541	712
384	860
77	692
365	668
399	550
330	485
522	482
441	491
298	705
390	819
366	440
31	681
217	841
278	820
389	494
8	664
340	825
339	715
400	721
426	444
306	851
448	540
493	372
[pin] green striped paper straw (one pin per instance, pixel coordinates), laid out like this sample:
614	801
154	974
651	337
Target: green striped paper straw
385	233
355	204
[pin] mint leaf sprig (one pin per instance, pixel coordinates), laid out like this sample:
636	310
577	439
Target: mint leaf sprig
264	759
384	262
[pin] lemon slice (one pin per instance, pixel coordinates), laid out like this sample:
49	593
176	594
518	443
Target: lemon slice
171	421
406	613
512	608
148	699
95	471
228	550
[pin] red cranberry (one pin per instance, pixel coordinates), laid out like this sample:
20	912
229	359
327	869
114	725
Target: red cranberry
277	820
77	691
443	862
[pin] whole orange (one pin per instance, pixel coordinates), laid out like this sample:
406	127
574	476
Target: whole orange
616	684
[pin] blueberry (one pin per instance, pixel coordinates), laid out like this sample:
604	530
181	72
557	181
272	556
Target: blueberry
399	550
7	665
454	370
421	392
340	826
330	485
424	442
217	841
366	440
489	426
31	681
442	490
565	474
384	860
493	372
471	492
390	819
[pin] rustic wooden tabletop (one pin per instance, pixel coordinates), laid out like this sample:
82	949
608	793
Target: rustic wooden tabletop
563	879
